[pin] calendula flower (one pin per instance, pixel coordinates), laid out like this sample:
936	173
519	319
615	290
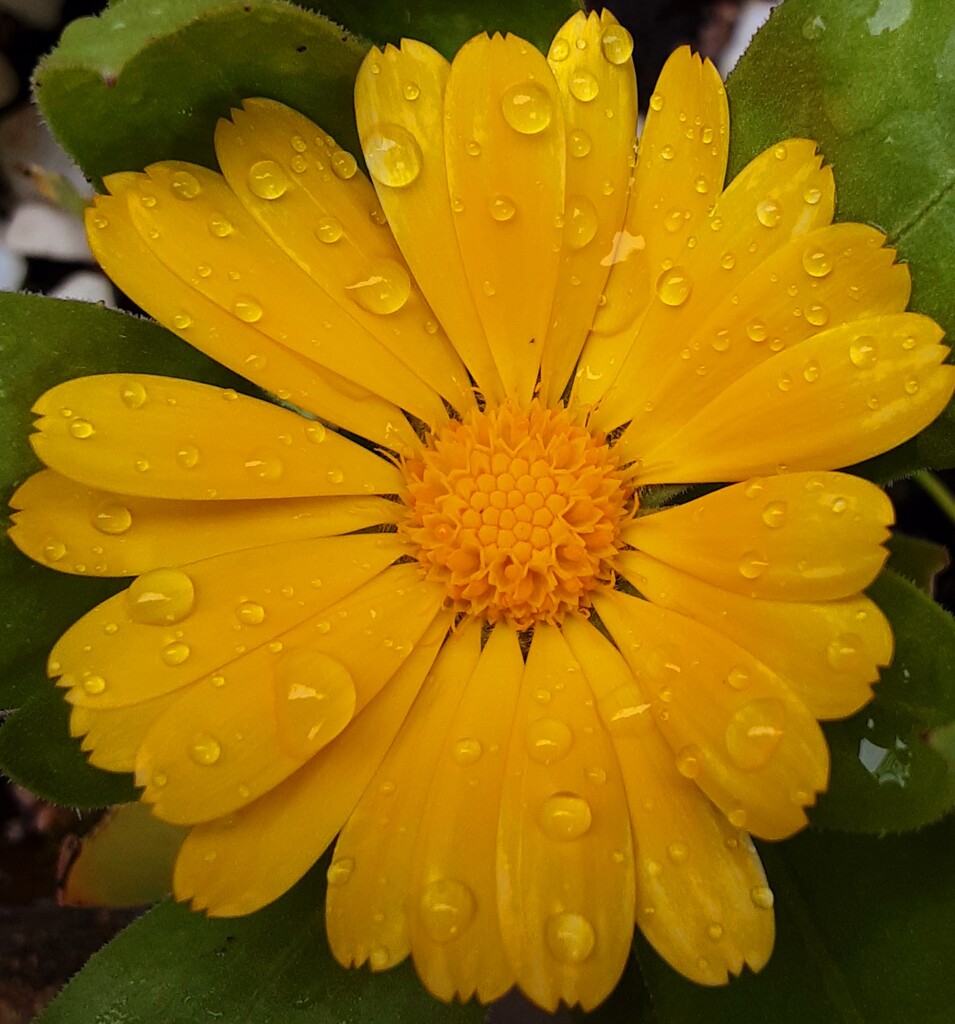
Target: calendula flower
534	706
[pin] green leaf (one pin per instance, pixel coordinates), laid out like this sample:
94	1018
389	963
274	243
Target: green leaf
446	24
865	935
873	82
37	751
273	967
145	81
886	776
917	560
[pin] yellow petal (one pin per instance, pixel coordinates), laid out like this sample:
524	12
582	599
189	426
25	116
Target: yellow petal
253	279
764	207
112	736
508	198
129	262
300	205
833	400
828	652
458	833
756	752
238	864
158	437
173	626
77	529
565	861
399	105
590	58
798	537
370	902
833	275
219	747
701	892
680	168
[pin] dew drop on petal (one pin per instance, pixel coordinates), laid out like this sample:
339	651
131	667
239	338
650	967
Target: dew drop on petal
221	227
384	287
267	180
467	751
656	101
113	519
248	310
756	331
250	613
527	108
316	432
817	262
81	429
584	86
762	897
617	44
161	597
768	212
94	685
502	208
185	185
863	352
673	287
393	155
205	749
447	907
314	699
752	565
560	50
344	164
774	514
570	937
738	677
411	91
812	195
688	762
548	740
578	143
845	651
565	816
817	315
340	870
580	222
754	732
176	653
678	852
132	394
329	230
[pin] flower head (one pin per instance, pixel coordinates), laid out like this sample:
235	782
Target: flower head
534	705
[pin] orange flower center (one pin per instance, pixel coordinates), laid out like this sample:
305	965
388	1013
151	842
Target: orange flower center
517	513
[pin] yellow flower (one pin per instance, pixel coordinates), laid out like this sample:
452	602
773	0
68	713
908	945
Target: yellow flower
535	711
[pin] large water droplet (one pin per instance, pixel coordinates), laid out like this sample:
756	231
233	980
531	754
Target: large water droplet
393	155
132	394
527	107
467	751
560	50
752	565
344	164
755	731
584	86
250	613
768	212
329	230
94	685
185	185
383	289
205	749
570	937
161	597
188	456
267	180
221	227
817	315
863	352
578	143
502	208
314	698
565	816
548	740
248	310
580	221
817	262
176	653
688	762
774	514
617	44
447	907
673	286
113	519
81	429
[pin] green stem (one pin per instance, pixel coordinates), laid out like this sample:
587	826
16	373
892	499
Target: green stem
937	491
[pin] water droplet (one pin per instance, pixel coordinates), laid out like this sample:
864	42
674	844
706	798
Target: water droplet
527	108
656	101
251	613
384	288
100	222
810	371
701	185
560	50
185	185
817	262
188	456
762	897
715	931
447	907
781	152
94	685
220	227
667	153
393	155
548	740
580	222
335	475
344	164
176	653
673	286
738	677
752	565
617	44
911	386
112	519
737	817
181	321
817	315
688	762
570	937
812	196
316	432
863	352
132	394
584	86
340	870
467	751
248	310
329	230
755	731
565	816
205	749
502	208
578	143
148	201
678	852
774	514
299	164
411	91
298	143
264	466
81	429
844	652
674	220
768	212
784	382
161	597
267	180
204	270
756	331
473	148
314	697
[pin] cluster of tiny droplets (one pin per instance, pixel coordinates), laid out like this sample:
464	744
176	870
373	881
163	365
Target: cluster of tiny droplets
517	513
